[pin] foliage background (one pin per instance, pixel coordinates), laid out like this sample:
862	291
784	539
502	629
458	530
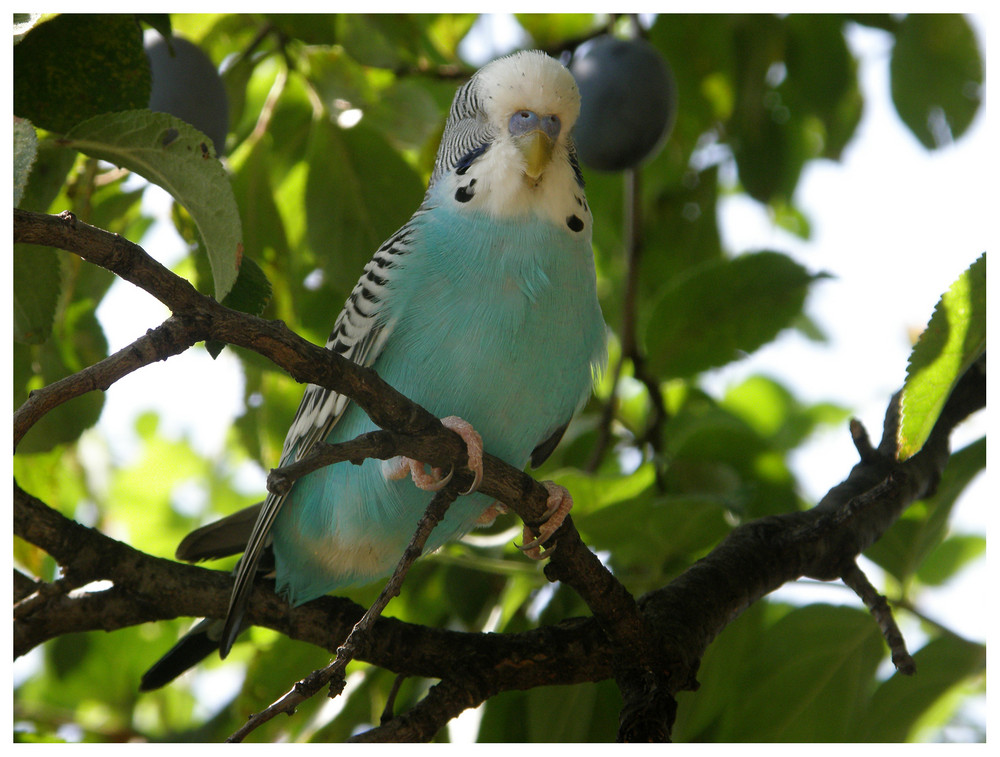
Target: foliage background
759	94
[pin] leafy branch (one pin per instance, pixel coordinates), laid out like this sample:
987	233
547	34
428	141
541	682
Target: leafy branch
651	647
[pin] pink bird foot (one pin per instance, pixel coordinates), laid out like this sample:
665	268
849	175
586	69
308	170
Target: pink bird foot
558	506
399	467
491	513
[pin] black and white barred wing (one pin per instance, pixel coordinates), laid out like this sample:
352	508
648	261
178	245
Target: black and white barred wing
359	334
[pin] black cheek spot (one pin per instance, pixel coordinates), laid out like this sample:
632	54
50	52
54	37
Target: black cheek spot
464	194
574	223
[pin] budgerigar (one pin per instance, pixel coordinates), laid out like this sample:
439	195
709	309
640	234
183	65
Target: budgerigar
482	308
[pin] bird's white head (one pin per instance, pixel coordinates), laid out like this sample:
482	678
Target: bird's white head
507	146
535	100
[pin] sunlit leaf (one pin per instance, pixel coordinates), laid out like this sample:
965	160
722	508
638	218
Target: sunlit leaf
901	700
954	339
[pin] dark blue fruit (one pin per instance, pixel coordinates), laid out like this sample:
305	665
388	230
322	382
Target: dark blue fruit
186	84
628	102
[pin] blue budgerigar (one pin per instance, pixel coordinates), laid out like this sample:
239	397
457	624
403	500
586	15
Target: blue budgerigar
482	308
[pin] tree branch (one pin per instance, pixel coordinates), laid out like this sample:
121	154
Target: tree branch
334	673
652	648
204	318
683	617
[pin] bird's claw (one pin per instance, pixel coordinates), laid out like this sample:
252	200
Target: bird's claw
557	508
433	482
491	513
473	444
399	467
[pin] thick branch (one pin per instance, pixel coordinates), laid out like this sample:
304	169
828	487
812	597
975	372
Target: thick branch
668	632
204	318
683	617
823	543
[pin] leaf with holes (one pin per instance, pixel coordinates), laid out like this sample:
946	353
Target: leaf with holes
174	155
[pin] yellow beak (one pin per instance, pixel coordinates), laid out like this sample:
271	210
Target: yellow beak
536	147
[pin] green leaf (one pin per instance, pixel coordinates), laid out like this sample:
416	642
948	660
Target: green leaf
674	530
549	30
37	285
898	704
251	291
264	238
76	66
710	315
681	229
583	713
776	414
814	694
174	155
822	79
406	114
54	476
903	548
950	557
48	175
954	339
25	151
250	294
367	39
79	342
594	493
392	40
937	77
358	192
699	717
312	28
766	134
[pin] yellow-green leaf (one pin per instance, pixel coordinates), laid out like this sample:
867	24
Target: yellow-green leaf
954	339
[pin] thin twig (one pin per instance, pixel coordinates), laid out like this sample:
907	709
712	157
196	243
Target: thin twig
630	350
169	338
379	444
390	701
334	672
880	610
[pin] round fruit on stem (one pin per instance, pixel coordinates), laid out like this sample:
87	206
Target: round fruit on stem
628	102
186	84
